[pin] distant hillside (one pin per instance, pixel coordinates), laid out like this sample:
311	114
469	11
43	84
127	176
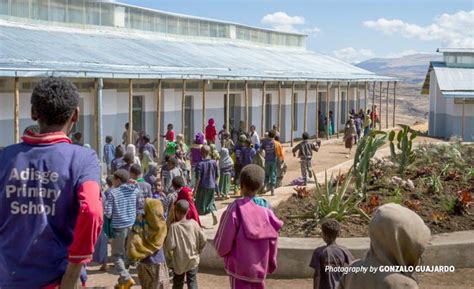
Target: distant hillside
411	68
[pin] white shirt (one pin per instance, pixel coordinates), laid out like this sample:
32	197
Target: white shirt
254	138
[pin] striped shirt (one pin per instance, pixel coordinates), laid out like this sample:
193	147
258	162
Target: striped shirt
122	205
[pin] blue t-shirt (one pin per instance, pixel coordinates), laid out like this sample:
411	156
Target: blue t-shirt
39	209
268	145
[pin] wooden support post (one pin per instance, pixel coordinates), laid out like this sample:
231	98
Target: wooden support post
17	111
292	112
158	118
227	120
305	113
357	98
327	110
130	111
463	117
348	100
246	106
99	85
338	110
279	105
262	115
365	96
386	115
317	110
394	101
373	102
204	106
380	107
183	107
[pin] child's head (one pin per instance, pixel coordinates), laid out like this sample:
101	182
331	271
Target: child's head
135	171
55	104
305	135
121	176
275	127
172	163
251	180
170	126
211	122
158	185
277	138
178	182
247	143
77	136
167	158
127	126
109	181
108	139
271	134
252	128
181	209
146	139
205	151
129	158
330	230
119	152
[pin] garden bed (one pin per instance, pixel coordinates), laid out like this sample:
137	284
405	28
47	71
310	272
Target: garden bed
438	185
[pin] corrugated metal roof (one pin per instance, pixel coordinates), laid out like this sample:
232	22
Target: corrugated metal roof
38	51
454	78
458	94
460	50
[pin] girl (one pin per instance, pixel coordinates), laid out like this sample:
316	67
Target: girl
349	135
206	184
211	131
226	169
132	150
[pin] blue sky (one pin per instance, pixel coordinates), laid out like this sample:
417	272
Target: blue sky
350	30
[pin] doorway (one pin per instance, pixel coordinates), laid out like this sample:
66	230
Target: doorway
268	112
188	118
137	113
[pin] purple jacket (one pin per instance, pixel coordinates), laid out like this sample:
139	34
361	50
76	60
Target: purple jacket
255	230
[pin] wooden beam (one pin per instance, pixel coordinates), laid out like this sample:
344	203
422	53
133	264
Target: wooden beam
262	115
380	107
317	110
463	117
348	100
158	118
292	112
327	109
17	111
227	120
357	98
373	101
204	106
365	97
305	113
386	115
338	110
279	105
130	111
394	101
246	106
99	85
183	107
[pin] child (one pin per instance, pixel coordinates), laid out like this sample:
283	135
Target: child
183	165
332	255
206	184
398	237
305	154
165	172
131	149
100	249
367	123
161	195
127	162
109	153
147	146
214	153
280	165
136	174
146	245
195	154
122	209
226	142
268	146
247	153
211	132
248	233
181	145
184	244
118	161
185	193
254	135
152	175
174	172
226	169
349	135
169	136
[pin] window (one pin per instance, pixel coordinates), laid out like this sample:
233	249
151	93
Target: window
268	112
58	11
343	113
4	8
213	29
204	29
183	26
20	8
160	22
137	113
92	13
188	118
295	111
148	21
172	25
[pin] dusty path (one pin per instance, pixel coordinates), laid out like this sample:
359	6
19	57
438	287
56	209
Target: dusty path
330	154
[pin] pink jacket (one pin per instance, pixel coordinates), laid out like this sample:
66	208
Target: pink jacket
247	239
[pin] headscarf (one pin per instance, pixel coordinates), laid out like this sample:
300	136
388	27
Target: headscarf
181	144
146	160
398	237
131	149
211	122
170	148
199	138
148	236
225	160
214	153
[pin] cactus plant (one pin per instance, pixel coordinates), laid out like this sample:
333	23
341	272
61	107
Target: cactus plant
366	149
404	144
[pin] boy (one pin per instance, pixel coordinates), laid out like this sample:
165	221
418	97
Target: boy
280	165
247	235
125	136
332	255
147	146
184	244
206	184
121	207
54	238
145	190
268	146
254	135
109	154
174	171
169	136
305	153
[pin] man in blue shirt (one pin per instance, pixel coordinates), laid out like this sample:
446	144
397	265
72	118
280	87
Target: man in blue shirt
268	145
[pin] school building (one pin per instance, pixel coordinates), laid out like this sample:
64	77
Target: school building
151	68
450	85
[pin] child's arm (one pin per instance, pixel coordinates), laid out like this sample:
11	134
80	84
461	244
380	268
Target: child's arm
295	149
169	246
316	279
225	236
201	241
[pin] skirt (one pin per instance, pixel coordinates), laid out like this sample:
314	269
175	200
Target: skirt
153	276
224	184
205	201
349	142
100	249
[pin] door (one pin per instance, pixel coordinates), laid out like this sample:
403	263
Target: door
137	113
268	112
188	119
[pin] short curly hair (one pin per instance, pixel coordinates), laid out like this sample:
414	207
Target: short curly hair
331	228
54	100
252	178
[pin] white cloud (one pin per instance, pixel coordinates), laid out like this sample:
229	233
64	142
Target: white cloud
402	53
284	22
353	55
453	30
